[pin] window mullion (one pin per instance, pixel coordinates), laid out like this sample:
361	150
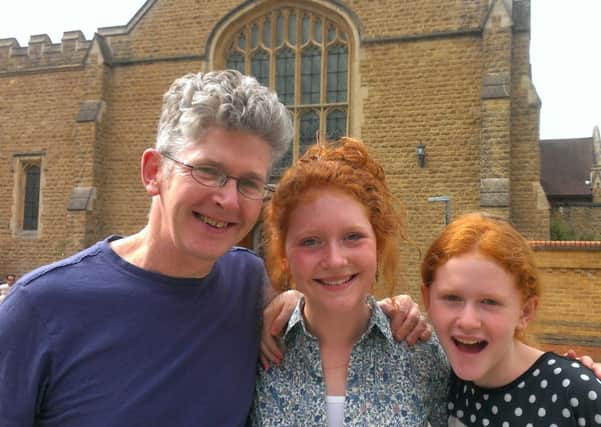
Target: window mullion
272	49
247	49
324	88
297	85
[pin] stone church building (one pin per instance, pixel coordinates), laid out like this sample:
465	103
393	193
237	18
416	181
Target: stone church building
440	91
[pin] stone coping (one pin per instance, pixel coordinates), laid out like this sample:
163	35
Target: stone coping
565	245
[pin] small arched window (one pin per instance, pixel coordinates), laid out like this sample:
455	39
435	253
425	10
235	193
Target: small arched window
304	56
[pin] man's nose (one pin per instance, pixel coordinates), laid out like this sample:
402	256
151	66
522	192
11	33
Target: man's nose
227	195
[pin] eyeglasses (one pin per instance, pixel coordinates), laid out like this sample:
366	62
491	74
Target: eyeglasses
211	176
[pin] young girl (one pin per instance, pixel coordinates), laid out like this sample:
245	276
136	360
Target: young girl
481	290
332	230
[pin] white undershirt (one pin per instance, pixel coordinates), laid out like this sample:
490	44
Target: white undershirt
335	410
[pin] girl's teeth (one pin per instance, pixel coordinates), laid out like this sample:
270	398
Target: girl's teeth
335	282
467	341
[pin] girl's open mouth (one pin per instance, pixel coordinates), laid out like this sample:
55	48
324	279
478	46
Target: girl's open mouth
470	345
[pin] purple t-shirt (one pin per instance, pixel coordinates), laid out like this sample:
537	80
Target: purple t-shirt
95	341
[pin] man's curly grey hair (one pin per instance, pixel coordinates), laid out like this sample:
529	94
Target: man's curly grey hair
226	99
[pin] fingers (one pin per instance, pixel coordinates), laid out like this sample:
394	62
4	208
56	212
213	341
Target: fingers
270	348
406	321
280	320
285	303
387	306
427	334
591	364
270	351
597	369
586	361
404	303
421	332
265	364
396	307
275	318
277	313
407	329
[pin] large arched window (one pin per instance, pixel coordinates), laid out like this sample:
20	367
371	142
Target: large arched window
304	56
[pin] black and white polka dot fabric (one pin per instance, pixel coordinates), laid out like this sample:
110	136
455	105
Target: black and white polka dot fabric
555	391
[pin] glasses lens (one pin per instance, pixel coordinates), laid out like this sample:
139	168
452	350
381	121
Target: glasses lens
250	188
208	175
213	177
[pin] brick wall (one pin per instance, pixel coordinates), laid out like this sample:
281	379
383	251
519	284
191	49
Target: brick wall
569	316
37	115
419	80
391	18
410	101
529	206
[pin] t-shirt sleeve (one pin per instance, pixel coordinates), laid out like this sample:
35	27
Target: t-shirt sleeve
24	360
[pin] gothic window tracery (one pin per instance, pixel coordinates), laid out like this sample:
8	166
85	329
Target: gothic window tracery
304	56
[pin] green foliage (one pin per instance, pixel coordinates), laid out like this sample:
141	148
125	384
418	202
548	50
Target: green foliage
560	230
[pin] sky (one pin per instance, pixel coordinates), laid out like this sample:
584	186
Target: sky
565	49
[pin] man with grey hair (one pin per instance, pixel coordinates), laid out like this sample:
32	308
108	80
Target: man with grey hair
160	328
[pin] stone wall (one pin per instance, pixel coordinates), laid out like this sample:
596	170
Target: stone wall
569	316
455	79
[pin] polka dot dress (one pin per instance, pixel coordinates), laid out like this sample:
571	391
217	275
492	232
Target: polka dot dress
555	391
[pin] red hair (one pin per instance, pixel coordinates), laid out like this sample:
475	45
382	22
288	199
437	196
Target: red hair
493	238
347	167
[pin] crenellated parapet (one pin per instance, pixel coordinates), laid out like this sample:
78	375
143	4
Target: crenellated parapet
42	54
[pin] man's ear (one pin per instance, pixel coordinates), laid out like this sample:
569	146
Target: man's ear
425	290
150	167
528	312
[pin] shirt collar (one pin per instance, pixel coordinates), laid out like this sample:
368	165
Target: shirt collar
297	320
378	321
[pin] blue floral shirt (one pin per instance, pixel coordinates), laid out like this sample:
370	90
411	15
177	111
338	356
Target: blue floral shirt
388	383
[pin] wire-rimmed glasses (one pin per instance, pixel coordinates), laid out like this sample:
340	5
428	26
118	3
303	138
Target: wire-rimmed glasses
211	176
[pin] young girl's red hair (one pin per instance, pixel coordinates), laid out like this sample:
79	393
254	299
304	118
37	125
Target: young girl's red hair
491	237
